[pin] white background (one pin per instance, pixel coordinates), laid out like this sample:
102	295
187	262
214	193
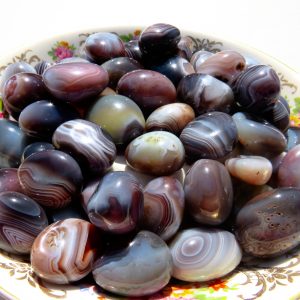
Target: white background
270	26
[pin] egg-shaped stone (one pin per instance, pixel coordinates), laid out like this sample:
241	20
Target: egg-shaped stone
202	254
36	147
157	153
208	192
268	225
9	180
141	269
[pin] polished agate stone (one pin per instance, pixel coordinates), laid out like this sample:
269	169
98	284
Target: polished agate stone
116	206
51	178
163	206
205	93
171	117
293	137
256	170
259	138
119	66
159	41
143	268
9	180
186	47
21	90
12	144
41	118
64	251
15	68
119	116
202	254
41	66
175	68
208	192
212	135
156	153
92	148
36	147
132	50
289	169
199	57
73	59
257	88
103	46
75	82
225	65
268	225
21	220
148	89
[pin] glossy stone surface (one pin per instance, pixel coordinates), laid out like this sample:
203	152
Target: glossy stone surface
36	147
186	47
9	181
212	135
51	178
12	144
175	68
21	220
205	93
103	46
132	50
41	66
268	225
148	261
225	65
21	90
257	88
163	206
64	251
148	89
170	117
293	137
259	138
41	118
289	169
156	153
256	170
208	192
119	66
12	69
116	206
159	41
200	57
119	116
202	254
75	82
85	141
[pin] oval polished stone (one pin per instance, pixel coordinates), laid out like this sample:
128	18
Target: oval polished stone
36	147
9	180
205	93
148	261
103	46
41	66
170	117
256	170
64	251
21	90
268	225
85	141
199	254
212	135
289	169
257	88
75	82
163	206
199	57
51	178
258	138
12	144
156	153
41	118
186	46
21	220
132	50
293	137
148	89
225	65
119	66
119	116
208	192
116	206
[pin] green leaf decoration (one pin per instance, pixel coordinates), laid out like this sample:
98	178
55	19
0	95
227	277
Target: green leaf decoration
296	109
126	38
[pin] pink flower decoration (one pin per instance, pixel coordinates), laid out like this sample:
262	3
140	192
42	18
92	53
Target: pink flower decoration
63	52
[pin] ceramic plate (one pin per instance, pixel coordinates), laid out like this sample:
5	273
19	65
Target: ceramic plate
272	279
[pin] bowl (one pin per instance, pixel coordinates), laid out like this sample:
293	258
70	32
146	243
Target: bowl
264	279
